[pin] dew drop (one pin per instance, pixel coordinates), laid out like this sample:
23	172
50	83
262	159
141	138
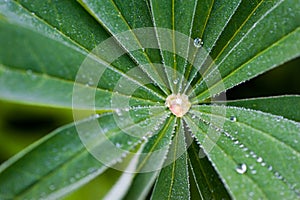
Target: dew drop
118	111
263	164
198	42
52	187
277	175
145	138
245	149
241	168
232	118
118	145
259	159
175	81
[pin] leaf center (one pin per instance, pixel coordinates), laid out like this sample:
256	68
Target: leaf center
178	104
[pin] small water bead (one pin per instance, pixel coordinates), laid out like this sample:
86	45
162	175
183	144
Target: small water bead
232	118
236	142
278	175
175	81
118	112
118	145
198	42
241	168
259	159
270	168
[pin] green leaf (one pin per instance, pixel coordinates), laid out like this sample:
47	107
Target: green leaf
239	64
61	59
40	170
120	188
213	25
41	89
173	180
208	183
287	105
109	15
48	45
251	151
174	18
150	163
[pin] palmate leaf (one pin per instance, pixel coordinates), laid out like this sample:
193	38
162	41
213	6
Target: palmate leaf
287	106
250	146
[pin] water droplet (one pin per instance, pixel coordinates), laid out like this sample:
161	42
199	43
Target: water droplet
175	81
270	168
118	145
241	168
236	142
232	118
145	138
278	175
118	111
253	171
198	42
259	159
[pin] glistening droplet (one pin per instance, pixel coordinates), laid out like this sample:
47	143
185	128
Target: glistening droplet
175	81
198	42
241	168
232	118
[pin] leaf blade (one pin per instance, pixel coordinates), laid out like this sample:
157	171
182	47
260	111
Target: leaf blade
62	151
151	164
243	140
207	181
237	64
172	182
273	105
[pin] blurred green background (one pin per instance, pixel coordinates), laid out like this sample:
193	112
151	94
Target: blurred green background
21	125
